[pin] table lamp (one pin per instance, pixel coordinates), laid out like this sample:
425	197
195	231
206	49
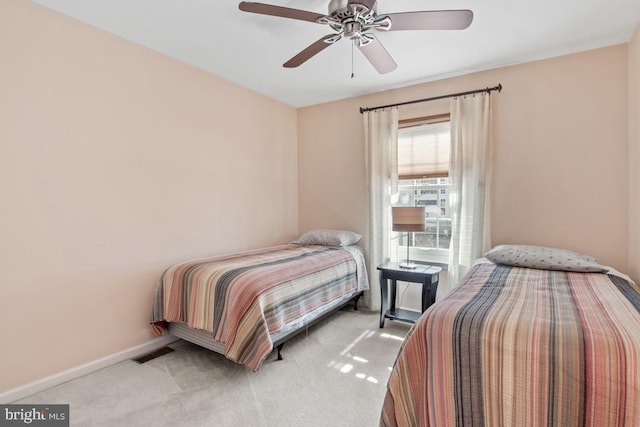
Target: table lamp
409	219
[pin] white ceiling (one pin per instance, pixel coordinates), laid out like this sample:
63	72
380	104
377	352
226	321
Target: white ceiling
249	49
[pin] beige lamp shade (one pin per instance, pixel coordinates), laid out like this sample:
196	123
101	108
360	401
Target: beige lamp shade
408	218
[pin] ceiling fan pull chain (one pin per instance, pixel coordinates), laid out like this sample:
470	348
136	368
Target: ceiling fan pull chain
352	74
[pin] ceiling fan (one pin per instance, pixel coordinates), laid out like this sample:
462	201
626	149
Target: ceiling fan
353	19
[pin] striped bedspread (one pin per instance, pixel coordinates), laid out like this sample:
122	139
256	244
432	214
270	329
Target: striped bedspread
522	347
245	297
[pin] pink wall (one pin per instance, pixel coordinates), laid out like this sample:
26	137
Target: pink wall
561	174
115	162
560	153
634	156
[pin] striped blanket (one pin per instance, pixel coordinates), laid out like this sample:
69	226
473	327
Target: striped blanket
244	298
522	347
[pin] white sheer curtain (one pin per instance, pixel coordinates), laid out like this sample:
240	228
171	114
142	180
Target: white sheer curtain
381	139
470	178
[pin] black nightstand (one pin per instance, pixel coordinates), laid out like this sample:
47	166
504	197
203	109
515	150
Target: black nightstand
428	275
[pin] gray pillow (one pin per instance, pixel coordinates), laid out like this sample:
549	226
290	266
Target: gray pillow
544	258
328	237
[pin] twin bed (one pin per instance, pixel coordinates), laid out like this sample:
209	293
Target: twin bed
538	337
243	305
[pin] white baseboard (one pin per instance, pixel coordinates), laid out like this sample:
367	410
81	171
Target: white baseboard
62	377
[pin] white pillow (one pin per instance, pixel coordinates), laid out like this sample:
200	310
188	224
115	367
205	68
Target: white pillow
544	258
328	237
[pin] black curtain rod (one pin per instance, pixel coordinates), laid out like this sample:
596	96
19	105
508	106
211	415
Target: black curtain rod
452	95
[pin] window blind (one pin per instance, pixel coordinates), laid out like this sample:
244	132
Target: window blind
423	151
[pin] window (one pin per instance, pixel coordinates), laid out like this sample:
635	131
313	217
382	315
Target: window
423	169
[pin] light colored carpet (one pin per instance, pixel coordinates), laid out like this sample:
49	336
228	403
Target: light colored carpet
334	374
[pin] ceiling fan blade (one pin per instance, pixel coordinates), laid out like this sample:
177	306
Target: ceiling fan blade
284	12
373	50
427	20
312	50
366	3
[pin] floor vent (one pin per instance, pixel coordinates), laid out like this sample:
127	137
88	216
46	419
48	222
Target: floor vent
150	356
